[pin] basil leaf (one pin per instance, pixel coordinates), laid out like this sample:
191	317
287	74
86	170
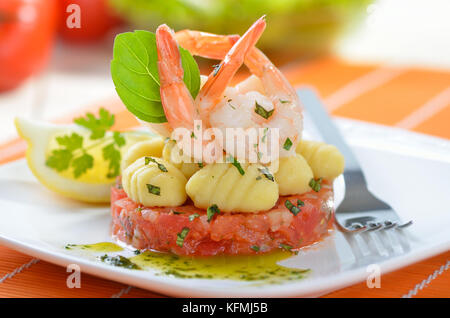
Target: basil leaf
191	75
134	71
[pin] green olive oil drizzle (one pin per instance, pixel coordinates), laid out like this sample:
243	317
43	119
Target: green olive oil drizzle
251	268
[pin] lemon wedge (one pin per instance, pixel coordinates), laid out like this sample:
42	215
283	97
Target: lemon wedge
92	186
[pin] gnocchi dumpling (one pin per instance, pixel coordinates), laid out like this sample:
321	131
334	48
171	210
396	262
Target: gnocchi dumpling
178	160
153	181
293	175
224	185
325	160
152	147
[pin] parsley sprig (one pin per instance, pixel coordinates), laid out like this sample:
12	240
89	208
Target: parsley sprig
74	153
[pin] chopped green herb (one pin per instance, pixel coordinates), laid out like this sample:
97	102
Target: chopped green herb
300	202
286	247
193	135
284	101
192	217
137	252
181	236
216	68
229	103
138	209
258	178
177	213
160	165
236	163
294	210
261	111
211	211
255	248
287	144
200	165
266	173
315	184
119	261
263	139
153	189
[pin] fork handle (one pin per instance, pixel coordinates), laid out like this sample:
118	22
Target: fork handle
328	130
355	182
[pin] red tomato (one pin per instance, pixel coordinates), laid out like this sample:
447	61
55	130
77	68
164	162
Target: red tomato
95	17
157	228
27	31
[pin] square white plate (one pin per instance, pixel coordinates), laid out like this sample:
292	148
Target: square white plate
410	171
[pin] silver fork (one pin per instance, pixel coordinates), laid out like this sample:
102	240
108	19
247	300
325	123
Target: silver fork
360	211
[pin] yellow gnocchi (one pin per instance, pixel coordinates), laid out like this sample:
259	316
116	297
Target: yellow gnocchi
293	175
151	147
325	160
153	181
178	160
223	184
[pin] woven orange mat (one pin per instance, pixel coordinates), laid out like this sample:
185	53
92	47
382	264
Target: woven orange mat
415	99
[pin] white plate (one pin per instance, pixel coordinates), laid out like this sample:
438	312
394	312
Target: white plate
410	171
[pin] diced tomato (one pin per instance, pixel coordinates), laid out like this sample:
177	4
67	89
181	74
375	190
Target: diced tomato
228	233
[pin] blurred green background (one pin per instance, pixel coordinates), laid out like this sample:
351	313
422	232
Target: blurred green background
32	34
295	27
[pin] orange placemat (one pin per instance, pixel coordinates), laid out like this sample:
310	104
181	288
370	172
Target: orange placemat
414	99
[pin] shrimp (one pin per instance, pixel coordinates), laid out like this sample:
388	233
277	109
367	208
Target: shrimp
180	108
267	87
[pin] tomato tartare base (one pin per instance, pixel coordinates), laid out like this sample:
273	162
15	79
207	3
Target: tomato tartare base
157	228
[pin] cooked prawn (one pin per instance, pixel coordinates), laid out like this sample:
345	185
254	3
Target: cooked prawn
267	86
219	105
180	109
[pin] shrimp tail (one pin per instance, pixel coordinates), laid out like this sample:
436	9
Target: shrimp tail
208	45
176	99
220	78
